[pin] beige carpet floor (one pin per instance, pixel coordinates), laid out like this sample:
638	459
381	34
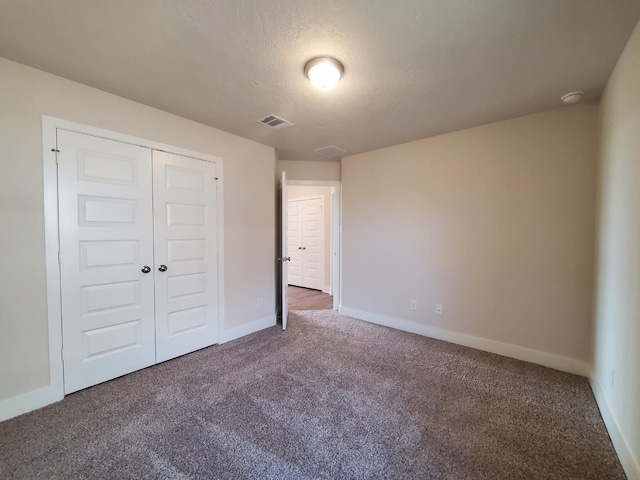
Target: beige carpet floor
331	398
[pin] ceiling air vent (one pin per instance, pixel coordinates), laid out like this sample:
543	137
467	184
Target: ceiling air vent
330	151
274	121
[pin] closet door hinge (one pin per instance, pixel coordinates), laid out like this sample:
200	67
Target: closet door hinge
59	258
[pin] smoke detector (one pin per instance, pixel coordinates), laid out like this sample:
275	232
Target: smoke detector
572	97
274	121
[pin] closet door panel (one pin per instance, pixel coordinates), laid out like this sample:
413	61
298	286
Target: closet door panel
305	234
313	248
295	242
105	226
185	232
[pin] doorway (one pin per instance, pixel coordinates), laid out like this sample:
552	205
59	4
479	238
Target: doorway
311	246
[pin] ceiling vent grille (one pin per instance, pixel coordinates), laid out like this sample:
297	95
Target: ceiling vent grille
330	151
274	121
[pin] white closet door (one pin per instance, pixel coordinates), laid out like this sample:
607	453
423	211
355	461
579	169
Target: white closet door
106	239
294	245
313	243
306	242
185	219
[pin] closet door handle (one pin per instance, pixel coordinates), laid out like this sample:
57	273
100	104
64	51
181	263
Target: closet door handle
146	269
162	268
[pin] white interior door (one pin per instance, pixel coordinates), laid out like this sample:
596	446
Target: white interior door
294	237
185	219
106	258
306	242
313	243
285	259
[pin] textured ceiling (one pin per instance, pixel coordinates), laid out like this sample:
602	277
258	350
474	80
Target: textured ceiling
413	68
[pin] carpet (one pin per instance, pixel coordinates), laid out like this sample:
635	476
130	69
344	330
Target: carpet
330	398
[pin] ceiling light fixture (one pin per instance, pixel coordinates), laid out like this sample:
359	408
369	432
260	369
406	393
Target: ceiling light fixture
324	72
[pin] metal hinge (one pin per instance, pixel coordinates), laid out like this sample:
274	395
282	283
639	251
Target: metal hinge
59	257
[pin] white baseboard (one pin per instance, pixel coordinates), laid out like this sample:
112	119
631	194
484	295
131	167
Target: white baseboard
326	289
630	464
551	360
248	328
12	407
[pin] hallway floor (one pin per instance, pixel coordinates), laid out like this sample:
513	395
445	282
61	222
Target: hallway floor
308	299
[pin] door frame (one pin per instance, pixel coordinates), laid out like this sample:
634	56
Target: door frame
50	125
336	232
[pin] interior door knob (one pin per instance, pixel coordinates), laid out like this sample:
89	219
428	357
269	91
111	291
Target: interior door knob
286	259
162	268
146	269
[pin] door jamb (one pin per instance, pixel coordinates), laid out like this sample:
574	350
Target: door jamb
50	125
336	233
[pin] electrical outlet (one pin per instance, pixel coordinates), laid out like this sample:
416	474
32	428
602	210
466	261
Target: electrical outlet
413	305
260	302
439	310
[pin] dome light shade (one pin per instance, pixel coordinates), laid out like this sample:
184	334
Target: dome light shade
572	97
324	72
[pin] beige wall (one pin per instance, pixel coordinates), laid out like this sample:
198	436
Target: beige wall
302	191
617	319
496	223
25	95
318	171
